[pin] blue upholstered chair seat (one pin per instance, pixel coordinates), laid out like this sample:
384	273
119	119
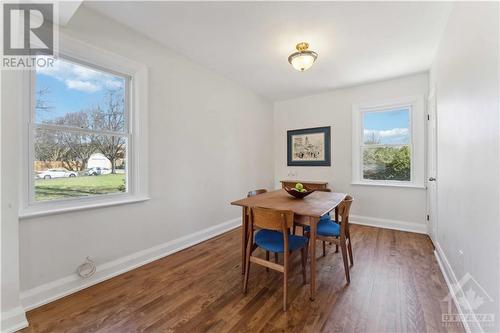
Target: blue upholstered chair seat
324	218
326	227
271	240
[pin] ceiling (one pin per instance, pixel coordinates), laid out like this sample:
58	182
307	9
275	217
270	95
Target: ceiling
249	42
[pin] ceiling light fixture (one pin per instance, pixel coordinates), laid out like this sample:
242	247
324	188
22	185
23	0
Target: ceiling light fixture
303	59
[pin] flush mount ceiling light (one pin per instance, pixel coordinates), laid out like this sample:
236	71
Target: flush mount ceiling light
303	59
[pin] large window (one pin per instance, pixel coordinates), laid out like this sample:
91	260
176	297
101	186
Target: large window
79	132
85	141
388	143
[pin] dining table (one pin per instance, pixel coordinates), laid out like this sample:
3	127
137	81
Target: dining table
307	210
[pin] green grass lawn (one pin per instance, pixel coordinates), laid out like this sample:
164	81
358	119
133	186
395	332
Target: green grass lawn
64	188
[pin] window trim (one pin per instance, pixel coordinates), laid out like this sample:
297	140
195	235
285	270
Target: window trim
417	140
136	113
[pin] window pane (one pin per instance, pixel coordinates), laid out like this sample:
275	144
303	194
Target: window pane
386	127
75	95
72	165
387	163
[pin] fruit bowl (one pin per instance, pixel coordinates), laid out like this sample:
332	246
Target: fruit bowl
297	194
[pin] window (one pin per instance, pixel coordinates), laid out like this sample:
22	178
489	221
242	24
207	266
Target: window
84	147
387	145
80	132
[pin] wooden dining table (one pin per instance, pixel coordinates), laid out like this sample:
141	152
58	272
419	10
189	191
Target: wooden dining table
308	210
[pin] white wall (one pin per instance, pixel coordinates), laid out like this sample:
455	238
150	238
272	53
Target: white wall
403	208
208	145
465	75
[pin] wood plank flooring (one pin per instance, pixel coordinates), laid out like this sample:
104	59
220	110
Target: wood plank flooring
396	286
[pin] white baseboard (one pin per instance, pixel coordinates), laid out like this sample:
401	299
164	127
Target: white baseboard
420	228
13	320
451	280
51	291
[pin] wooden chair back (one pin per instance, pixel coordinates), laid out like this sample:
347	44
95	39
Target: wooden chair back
256	192
270	219
343	211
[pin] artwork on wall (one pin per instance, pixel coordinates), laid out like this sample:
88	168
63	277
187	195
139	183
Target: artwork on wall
309	147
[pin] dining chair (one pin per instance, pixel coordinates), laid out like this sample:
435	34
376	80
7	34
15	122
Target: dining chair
302	220
256	192
251	194
273	234
338	233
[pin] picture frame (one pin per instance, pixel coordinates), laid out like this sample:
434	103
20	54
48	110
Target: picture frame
309	147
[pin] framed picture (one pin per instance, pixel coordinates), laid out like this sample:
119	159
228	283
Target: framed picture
309	147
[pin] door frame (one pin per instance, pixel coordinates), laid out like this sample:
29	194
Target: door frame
432	166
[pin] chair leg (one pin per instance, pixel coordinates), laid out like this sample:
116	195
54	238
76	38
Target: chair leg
293	230
307	250
267	258
285	282
324	248
344	258
337	247
349	247
303	257
247	263
276	257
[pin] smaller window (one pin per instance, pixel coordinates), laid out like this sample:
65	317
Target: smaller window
386	148
388	143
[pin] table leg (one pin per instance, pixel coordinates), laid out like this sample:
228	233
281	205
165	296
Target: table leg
244	231
312	243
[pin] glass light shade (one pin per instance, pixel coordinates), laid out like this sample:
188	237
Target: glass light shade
302	61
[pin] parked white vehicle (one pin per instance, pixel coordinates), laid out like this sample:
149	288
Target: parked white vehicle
56	173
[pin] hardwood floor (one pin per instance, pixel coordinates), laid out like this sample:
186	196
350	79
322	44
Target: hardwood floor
396	286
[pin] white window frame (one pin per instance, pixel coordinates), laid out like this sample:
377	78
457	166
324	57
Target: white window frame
415	104
136	114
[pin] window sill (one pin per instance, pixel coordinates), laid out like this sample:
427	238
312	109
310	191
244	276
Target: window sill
408	185
61	208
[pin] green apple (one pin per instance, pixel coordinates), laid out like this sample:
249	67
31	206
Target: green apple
303	190
299	186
